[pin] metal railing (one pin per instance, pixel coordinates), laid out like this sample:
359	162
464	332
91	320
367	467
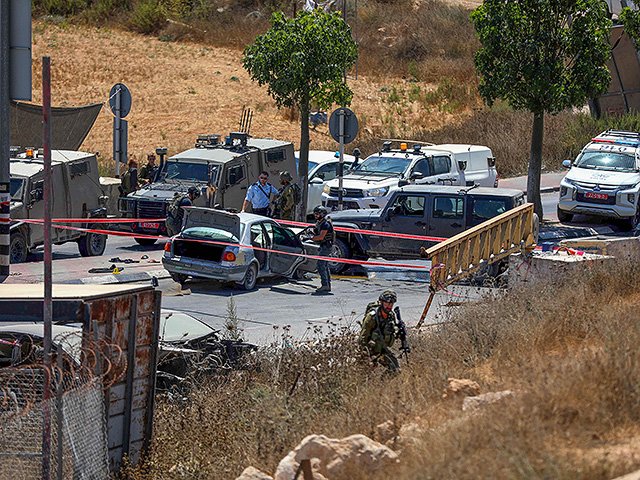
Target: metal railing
489	242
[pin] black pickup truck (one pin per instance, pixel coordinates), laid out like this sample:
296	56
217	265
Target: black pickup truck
424	210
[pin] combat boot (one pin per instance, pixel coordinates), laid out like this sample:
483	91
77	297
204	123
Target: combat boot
323	288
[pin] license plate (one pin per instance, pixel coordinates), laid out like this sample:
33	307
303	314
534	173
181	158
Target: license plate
599	196
149	225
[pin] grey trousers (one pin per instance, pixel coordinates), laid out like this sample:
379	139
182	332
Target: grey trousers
323	266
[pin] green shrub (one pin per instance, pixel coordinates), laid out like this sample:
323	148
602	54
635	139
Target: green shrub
148	16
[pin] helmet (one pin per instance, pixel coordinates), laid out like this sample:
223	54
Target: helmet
286	176
194	191
388	296
320	210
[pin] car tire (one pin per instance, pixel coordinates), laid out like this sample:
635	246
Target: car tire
18	248
632	223
340	250
146	242
178	277
92	244
564	216
250	278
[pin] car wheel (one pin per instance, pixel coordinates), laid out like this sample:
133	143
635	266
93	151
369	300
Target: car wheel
145	241
632	223
92	244
178	277
250	278
17	248
340	250
564	216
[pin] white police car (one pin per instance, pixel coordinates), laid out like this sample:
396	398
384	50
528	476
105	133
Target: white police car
604	179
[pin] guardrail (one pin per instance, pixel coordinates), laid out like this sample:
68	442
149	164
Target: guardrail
489	242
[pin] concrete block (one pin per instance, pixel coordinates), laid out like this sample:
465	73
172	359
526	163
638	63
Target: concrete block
110	188
623	248
548	266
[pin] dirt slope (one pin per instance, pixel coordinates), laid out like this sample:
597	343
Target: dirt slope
179	90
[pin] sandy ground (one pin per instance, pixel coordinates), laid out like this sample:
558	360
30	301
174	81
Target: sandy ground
179	90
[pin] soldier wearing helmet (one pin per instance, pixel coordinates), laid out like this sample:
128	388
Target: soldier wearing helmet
324	235
175	211
379	330
286	199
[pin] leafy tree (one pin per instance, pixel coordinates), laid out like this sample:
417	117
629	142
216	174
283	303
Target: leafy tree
543	56
631	20
303	60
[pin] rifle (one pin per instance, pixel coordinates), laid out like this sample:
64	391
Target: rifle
402	334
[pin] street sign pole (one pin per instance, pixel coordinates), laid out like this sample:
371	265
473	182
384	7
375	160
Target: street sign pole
116	133
341	114
343	126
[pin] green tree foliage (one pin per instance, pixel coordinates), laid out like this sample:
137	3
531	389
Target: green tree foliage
303	60
543	56
631	20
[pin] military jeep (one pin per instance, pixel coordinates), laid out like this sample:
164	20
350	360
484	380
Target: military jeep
221	170
76	194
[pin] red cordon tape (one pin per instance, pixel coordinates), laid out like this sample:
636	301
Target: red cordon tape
284	222
316	257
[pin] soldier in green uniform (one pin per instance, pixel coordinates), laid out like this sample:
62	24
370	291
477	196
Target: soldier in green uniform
286	201
379	330
129	181
149	169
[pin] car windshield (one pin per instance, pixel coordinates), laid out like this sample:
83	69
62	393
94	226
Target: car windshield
211	234
182	170
606	160
16	188
378	164
178	326
312	165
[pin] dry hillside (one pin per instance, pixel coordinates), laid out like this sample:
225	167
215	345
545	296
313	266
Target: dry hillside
181	90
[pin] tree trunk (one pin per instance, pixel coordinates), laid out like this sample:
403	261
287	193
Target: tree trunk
303	166
535	164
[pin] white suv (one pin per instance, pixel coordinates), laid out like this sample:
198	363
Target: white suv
372	182
604	179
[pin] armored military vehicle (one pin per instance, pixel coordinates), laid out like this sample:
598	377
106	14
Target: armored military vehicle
223	171
76	194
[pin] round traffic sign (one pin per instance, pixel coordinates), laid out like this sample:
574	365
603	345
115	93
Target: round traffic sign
125	99
350	125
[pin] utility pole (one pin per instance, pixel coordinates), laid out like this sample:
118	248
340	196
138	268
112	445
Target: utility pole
5	194
15	83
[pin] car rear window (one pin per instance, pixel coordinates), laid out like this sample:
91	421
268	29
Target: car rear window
486	208
208	233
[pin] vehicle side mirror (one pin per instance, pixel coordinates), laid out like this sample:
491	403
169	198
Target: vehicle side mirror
416	176
566	163
462	165
320	175
316	181
388	214
403	182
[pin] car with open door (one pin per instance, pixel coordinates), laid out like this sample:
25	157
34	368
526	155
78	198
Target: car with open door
235	247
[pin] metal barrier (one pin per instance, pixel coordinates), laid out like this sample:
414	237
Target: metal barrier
459	256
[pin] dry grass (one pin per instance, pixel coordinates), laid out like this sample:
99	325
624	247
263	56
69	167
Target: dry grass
568	350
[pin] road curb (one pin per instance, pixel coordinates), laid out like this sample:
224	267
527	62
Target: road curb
120	278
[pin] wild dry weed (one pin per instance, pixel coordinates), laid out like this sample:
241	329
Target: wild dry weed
568	351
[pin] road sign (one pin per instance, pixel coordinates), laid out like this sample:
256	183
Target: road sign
350	129
120	90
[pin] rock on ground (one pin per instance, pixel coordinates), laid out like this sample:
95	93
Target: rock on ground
479	401
337	459
460	388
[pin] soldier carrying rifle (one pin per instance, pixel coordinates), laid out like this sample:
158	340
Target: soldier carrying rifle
380	327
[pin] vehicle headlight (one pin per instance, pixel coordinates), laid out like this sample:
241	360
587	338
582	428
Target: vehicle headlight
326	189
376	192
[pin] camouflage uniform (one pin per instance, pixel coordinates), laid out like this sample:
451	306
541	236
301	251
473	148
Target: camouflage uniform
377	336
148	171
286	202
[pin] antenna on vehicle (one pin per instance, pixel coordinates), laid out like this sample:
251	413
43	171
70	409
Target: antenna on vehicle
245	120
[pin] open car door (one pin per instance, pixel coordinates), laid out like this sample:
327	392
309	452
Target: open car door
283	240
